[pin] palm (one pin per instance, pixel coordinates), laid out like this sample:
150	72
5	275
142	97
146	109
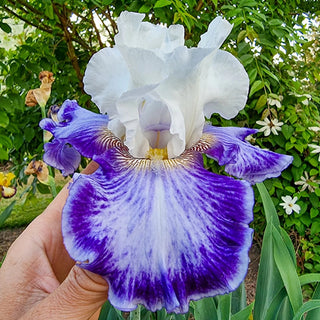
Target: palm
41	260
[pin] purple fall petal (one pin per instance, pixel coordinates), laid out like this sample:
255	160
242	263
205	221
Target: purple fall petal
61	156
79	127
85	131
241	159
160	232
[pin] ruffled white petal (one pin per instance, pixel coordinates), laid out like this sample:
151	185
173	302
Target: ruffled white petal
137	34
187	84
218	31
223	85
145	66
107	77
128	110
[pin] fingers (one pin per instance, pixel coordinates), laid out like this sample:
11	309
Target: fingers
91	168
49	231
78	297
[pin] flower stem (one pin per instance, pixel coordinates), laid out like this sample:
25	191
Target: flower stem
52	183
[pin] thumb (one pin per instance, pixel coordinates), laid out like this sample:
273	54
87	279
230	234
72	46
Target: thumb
79	296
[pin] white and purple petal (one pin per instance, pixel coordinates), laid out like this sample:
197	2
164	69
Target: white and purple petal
87	132
227	145
61	156
160	232
191	82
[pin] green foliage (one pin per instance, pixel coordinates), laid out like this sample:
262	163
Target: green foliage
23	213
6	213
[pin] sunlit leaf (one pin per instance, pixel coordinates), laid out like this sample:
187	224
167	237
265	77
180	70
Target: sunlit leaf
6	212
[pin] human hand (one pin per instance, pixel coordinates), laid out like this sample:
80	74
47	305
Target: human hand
38	279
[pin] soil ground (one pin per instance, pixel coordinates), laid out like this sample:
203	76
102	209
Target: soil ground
7	236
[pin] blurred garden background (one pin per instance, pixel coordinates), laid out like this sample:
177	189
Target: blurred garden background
278	43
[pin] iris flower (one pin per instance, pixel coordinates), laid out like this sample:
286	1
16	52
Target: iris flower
151	220
7	191
40	169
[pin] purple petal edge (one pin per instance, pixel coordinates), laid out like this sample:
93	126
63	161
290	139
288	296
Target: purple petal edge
85	131
61	156
241	159
161	234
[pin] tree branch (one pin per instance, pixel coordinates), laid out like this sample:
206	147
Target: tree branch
97	31
27	5
108	15
36	14
42	28
111	35
64	20
199	5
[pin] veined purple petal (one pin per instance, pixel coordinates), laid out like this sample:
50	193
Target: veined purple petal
61	156
227	145
86	131
160	232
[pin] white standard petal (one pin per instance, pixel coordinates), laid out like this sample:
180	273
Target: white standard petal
128	107
202	83
218	31
155	121
148	117
137	34
145	66
106	78
187	119
191	83
223	85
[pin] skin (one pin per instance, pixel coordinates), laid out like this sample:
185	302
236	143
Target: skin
38	279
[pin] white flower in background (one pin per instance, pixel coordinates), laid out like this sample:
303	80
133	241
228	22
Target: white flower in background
290	205
305	182
307	97
316	149
291	73
275	101
314	129
250	139
269	126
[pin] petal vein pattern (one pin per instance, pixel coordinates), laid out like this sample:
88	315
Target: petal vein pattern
160	232
86	131
227	145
